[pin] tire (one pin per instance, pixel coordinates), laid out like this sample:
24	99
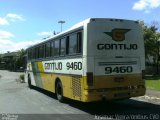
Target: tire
59	92
29	82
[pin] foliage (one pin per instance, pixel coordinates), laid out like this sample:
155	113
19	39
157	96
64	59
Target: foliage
21	77
14	61
151	40
20	59
0	58
152	43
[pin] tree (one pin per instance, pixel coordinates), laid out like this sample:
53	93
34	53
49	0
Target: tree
0	58
20	59
152	43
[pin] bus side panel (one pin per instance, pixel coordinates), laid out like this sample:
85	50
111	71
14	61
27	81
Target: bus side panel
29	73
72	80
36	73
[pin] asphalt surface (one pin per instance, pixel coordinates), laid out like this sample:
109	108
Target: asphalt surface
18	102
153	93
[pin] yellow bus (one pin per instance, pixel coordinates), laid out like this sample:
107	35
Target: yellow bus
96	59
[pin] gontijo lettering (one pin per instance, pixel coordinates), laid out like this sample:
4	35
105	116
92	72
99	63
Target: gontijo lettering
53	66
117	47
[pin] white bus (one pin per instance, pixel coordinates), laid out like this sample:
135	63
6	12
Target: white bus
96	59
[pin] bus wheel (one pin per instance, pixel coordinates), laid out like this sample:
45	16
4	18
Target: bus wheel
59	91
29	82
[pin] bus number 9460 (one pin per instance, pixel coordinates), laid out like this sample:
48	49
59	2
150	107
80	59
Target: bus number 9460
74	65
120	69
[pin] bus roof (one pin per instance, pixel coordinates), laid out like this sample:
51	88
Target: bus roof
77	26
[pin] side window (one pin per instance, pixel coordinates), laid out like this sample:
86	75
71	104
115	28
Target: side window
62	46
29	54
67	45
33	53
72	44
37	53
52	48
56	48
41	51
79	42
48	49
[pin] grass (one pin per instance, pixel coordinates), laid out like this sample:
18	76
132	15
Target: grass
153	82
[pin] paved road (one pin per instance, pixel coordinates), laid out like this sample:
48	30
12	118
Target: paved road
153	93
17	100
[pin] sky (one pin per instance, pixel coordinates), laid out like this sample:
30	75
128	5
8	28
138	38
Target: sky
27	22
